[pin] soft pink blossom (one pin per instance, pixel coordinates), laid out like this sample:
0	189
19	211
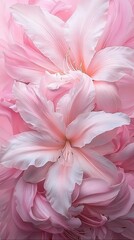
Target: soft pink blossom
73	49
64	136
66	120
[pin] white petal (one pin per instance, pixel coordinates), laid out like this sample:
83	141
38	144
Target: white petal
45	30
84	28
86	127
28	149
60	184
38	112
79	100
112	63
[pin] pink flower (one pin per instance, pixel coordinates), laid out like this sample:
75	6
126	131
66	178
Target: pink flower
74	46
66	120
60	141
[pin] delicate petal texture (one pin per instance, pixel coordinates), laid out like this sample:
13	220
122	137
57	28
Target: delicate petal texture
29	149
117	24
96	191
8	126
112	63
45	30
124	157
35	175
60	182
79	100
27	203
86	127
66	120
6	130
39	113
26	64
95	165
84	29
126	89
124	198
107	97
5	81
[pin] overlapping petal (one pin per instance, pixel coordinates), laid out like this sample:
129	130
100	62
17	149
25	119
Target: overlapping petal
95	165
29	148
38	113
116	23
61	180
45	30
66	157
20	68
111	64
96	191
88	126
107	97
84	28
79	100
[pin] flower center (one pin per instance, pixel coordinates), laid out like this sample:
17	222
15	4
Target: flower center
66	154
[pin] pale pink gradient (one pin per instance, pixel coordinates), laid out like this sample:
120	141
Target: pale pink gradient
66	120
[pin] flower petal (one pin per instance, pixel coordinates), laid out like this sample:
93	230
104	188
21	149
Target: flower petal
126	90
45	30
79	100
35	175
96	191
118	29
122	204
97	166
24	196
107	97
124	157
112	63
84	28
123	226
28	149
86	127
38	112
60	183
26	64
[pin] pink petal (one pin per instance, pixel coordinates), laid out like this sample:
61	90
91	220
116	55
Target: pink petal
83	37
47	219
35	175
28	149
124	157
7	179
111	64
55	86
60	183
93	219
26	64
6	82
97	192
88	126
45	30
107	97
104	143
118	29
10	123
121	204
24	197
124	227
126	90
79	100
39	112
43	216
6	130
97	166
63	9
